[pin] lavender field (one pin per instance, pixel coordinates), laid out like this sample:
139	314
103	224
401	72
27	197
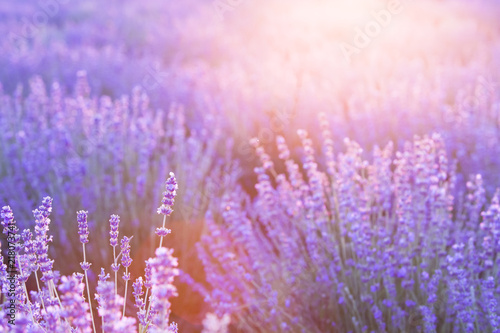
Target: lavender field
226	166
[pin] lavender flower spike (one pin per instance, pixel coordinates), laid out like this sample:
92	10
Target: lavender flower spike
75	308
164	269
109	310
168	196
165	209
83	231
125	247
83	226
114	222
126	262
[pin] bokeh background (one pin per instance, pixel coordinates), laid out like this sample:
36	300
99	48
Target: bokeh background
100	100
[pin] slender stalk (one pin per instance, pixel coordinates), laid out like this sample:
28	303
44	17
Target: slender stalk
164	220
116	272
146	296
125	294
39	290
25	290
51	282
149	305
88	289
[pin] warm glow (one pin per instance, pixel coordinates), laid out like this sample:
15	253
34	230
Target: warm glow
330	13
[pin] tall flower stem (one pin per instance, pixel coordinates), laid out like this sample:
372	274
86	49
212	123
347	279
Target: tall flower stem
125	294
114	222
116	272
88	288
126	262
163	227
83	231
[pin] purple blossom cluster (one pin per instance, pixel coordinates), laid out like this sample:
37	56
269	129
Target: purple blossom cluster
59	303
342	244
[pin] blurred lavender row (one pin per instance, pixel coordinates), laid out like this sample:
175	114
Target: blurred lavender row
407	81
356	246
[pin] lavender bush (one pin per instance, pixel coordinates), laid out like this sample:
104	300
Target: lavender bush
339	244
60	303
82	148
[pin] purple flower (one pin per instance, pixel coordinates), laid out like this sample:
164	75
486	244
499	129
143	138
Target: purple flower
125	247
164	210
46	207
83	226
168	196
378	315
148	275
75	309
139	301
8	223
108	308
103	276
490	303
138	292
433	287
162	232
429	319
265	159
85	265
41	242
164	269
114	222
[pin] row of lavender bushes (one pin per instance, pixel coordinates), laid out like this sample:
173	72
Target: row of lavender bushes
118	36
360	246
80	149
335	243
106	155
389	230
393	89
